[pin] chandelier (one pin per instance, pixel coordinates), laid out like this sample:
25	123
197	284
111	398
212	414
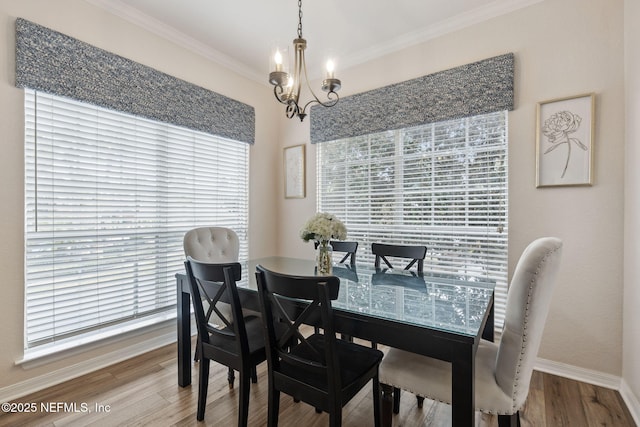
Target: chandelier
287	86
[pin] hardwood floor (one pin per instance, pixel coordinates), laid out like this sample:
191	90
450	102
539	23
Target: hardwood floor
143	391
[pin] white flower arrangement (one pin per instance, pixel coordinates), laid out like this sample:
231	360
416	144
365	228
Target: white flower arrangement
323	227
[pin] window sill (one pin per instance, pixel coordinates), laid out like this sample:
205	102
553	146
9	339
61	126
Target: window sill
62	349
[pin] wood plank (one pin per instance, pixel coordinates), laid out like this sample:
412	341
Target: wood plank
534	411
562	402
601	405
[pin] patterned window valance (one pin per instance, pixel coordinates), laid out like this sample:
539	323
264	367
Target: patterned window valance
52	62
481	87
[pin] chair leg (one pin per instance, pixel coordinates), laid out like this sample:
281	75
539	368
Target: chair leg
243	409
254	374
396	400
512	420
273	406
203	384
335	416
387	403
420	401
231	376
377	416
196	354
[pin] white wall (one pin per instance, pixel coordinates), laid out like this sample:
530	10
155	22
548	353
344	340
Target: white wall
631	318
83	21
562	48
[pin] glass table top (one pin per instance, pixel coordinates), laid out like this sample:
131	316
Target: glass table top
440	302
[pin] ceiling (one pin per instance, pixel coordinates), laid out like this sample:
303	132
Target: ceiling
240	34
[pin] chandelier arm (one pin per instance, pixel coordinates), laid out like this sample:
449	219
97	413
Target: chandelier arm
292	108
278	91
329	103
306	79
299	67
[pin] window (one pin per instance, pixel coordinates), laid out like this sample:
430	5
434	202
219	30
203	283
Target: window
108	199
443	185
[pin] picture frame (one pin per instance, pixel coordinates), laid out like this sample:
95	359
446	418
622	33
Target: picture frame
294	172
565	129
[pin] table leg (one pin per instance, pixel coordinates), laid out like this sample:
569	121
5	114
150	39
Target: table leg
387	404
489	327
463	391
184	334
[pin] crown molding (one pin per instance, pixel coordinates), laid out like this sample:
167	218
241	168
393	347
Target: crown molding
458	22
128	13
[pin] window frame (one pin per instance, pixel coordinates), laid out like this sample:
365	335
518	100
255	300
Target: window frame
396	225
186	197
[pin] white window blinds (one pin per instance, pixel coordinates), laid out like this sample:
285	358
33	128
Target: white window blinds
109	197
443	185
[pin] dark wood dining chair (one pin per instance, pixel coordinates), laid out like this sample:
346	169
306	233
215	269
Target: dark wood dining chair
238	343
348	247
415	253
319	369
215	245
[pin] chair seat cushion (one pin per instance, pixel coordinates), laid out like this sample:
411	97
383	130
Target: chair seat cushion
355	360
431	378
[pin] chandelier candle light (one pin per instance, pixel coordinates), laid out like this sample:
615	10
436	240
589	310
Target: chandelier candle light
321	228
287	87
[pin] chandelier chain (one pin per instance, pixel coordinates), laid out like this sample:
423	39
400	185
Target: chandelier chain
299	19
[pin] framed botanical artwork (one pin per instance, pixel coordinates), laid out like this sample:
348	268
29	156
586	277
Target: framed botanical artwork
564	141
294	172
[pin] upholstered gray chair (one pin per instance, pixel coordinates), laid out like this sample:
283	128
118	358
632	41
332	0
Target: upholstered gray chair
212	244
503	370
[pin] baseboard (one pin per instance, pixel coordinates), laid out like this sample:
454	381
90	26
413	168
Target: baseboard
32	385
579	374
631	400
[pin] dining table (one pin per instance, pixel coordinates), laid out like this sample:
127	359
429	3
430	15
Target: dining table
439	315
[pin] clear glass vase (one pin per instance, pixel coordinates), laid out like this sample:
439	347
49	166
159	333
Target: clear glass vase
324	258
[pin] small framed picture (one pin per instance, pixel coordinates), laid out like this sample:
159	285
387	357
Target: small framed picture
294	172
564	141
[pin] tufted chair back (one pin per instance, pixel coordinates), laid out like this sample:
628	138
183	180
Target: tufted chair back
212	244
528	303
